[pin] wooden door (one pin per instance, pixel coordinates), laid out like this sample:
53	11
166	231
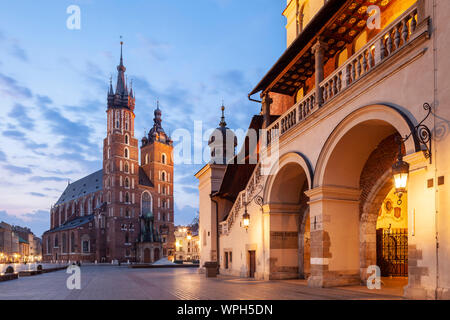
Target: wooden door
252	269
146	255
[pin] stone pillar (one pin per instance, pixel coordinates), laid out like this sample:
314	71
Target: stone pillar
421	11
422	282
319	51
334	218
282	254
266	102
266	241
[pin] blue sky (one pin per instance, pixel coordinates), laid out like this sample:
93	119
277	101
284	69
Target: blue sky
53	83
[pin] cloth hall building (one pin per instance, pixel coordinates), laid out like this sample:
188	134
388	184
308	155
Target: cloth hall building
123	212
353	154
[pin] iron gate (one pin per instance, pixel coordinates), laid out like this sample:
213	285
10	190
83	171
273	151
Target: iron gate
392	252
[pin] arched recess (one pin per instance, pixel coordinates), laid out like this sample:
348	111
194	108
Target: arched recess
288	214
343	228
381	121
368	221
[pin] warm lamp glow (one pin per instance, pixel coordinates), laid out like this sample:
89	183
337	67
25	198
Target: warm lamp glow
246	219
400	171
401	180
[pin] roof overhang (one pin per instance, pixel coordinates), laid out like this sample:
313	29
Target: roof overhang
337	23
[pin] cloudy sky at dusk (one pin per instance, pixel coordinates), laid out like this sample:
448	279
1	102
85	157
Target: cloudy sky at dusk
53	83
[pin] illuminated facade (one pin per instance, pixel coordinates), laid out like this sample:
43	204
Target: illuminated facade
186	244
347	106
18	244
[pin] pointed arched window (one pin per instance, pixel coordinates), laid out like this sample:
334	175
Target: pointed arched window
64	243
49	241
117	119
72	242
146	205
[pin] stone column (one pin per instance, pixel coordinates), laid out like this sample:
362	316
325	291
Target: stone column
281	243
266	102
421	11
265	224
422	282
334	218
319	51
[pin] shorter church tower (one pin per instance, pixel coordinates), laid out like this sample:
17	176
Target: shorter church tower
222	142
157	163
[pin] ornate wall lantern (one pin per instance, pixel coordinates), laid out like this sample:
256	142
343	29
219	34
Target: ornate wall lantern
400	169
246	219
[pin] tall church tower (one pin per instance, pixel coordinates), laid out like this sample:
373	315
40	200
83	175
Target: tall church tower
120	172
157	162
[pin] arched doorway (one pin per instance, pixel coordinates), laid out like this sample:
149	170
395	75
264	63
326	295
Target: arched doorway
147	255
289	238
352	179
383	218
392	236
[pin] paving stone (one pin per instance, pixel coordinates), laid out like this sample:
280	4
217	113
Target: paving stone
117	283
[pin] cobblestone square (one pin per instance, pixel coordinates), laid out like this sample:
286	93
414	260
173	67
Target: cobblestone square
123	283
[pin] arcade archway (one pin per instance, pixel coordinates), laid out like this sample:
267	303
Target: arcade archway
289	218
352	180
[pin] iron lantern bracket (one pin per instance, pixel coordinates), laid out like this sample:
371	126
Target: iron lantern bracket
422	134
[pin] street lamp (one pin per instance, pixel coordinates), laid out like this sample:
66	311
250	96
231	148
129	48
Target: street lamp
258	200
189	236
400	171
246	219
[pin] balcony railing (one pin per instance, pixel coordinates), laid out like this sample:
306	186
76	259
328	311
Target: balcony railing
300	111
391	40
375	52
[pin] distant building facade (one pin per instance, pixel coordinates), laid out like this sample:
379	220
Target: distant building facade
106	216
187	244
19	243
